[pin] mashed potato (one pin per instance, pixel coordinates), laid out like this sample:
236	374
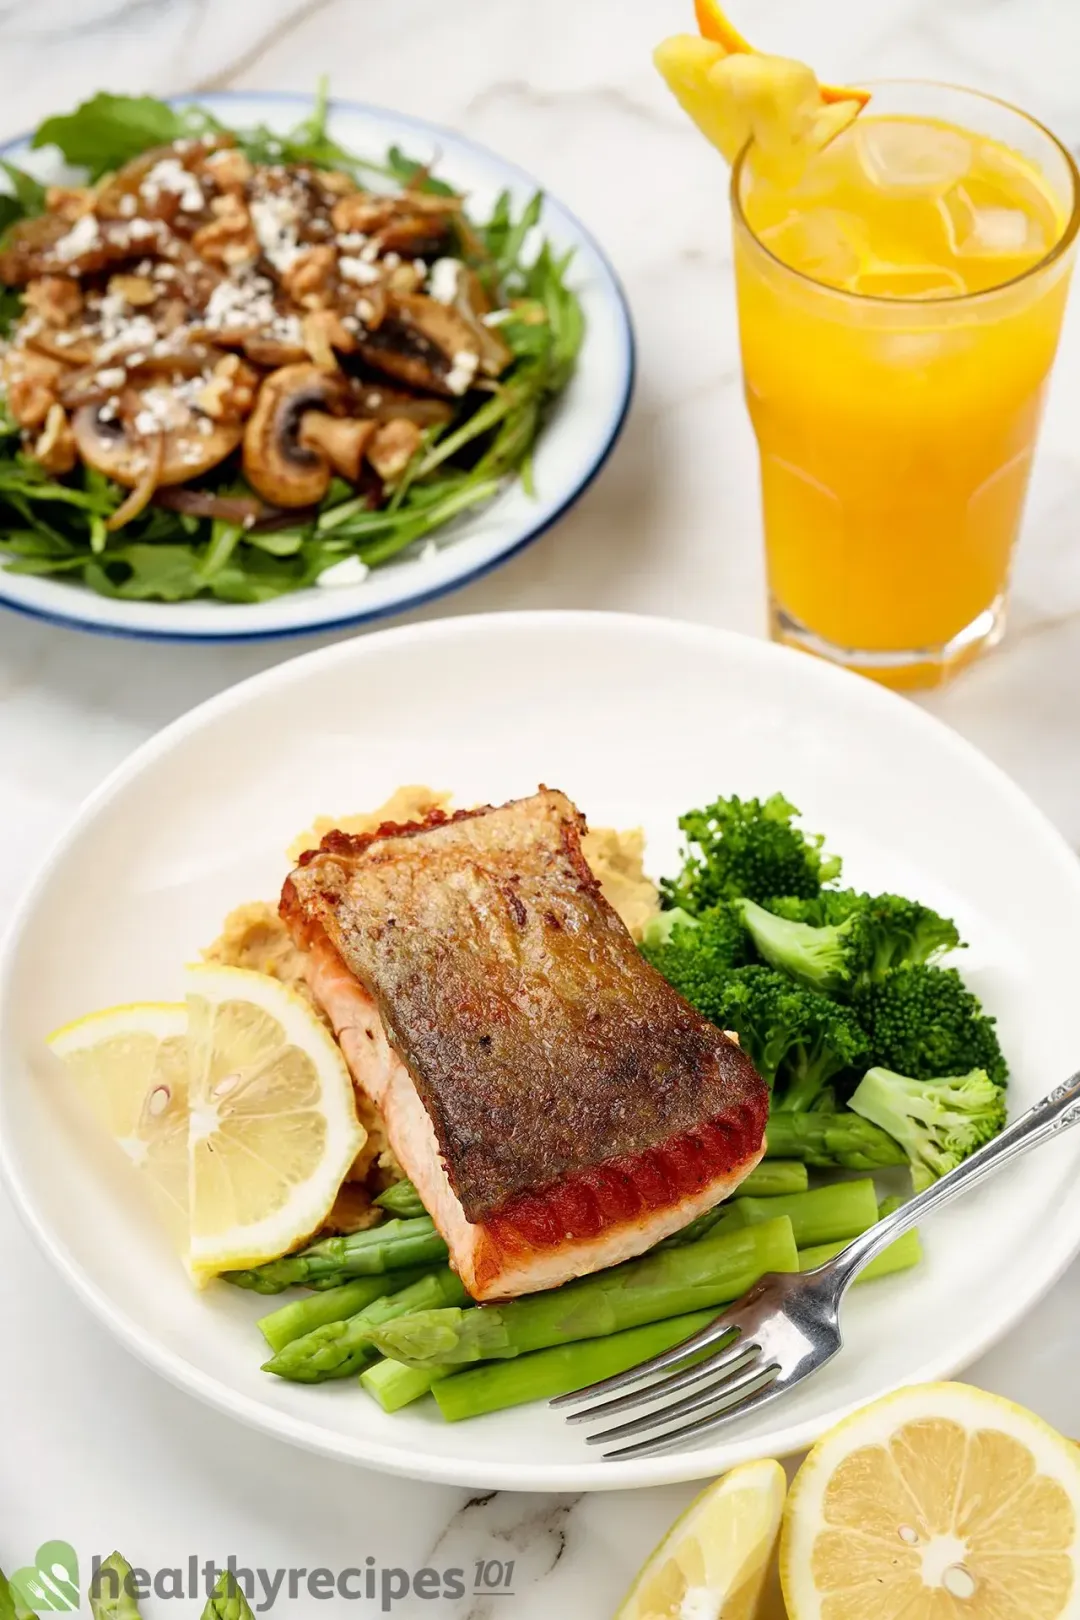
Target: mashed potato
253	936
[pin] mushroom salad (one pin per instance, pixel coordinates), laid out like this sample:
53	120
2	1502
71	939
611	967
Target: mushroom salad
236	363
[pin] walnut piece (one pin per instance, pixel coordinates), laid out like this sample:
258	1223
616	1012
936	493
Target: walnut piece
230	393
229	169
57	299
309	279
229	238
69	202
31	385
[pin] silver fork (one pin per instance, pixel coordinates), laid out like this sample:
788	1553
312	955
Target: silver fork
787	1326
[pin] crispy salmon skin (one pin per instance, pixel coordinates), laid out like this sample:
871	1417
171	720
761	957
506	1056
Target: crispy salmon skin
549	1093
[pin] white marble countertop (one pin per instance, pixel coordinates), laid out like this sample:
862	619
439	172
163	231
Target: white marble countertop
96	1449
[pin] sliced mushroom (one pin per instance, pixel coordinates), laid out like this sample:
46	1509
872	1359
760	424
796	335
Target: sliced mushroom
393	446
272	352
115	448
472	304
388	404
341	439
425	344
277	462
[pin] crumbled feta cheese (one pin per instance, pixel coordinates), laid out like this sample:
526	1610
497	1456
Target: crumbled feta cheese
358	270
111	377
83	235
462	371
169	175
140	229
444	280
349	571
127	205
353	240
275	219
370	252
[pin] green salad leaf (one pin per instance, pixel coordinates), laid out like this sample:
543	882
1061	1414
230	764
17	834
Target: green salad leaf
57	526
109	130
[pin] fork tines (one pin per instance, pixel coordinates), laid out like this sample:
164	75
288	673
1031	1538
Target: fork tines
734	1373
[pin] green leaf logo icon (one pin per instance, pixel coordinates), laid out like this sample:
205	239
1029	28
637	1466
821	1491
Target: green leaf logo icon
51	1582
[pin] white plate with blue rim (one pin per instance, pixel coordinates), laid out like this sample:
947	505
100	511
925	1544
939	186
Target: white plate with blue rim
572	447
637	719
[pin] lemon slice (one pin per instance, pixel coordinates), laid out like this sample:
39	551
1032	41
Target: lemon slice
736	97
273	1121
130	1065
714	1559
942	1502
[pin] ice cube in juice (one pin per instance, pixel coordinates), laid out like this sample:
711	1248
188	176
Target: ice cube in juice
896	383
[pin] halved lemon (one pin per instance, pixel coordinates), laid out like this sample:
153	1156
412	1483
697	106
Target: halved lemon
714	24
715	1558
273	1121
130	1065
940	1502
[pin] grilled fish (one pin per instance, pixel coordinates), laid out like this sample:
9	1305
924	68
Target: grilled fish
559	1107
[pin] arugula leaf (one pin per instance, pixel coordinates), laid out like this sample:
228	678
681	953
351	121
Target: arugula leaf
407	171
29	193
108	130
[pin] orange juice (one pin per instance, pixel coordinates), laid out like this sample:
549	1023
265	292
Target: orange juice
899	309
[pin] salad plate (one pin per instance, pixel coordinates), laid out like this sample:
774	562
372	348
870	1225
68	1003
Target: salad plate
637	719
577	431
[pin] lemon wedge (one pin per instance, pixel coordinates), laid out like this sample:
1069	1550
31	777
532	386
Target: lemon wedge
941	1501
130	1065
715	1558
273	1120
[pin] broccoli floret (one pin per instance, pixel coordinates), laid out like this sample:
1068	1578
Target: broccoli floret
798	1041
859	939
924	1021
696	954
937	1122
747	847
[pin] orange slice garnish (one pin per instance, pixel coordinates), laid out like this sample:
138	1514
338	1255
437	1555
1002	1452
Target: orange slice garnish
713	24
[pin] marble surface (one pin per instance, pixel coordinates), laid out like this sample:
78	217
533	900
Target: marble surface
95	1448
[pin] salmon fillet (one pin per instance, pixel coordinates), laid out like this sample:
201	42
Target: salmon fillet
559	1107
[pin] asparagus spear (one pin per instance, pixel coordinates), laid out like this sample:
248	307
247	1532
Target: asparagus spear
831	1140
110	1596
394	1246
841	1210
667	1283
227	1601
899	1256
401	1199
339	1349
394	1385
558	1370
772	1178
311	1311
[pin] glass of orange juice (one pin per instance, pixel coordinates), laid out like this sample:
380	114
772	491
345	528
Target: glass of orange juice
899	310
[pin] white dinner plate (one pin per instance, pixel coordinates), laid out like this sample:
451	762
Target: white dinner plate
637	719
571	449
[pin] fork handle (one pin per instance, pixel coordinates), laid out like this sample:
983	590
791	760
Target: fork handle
1054	1114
